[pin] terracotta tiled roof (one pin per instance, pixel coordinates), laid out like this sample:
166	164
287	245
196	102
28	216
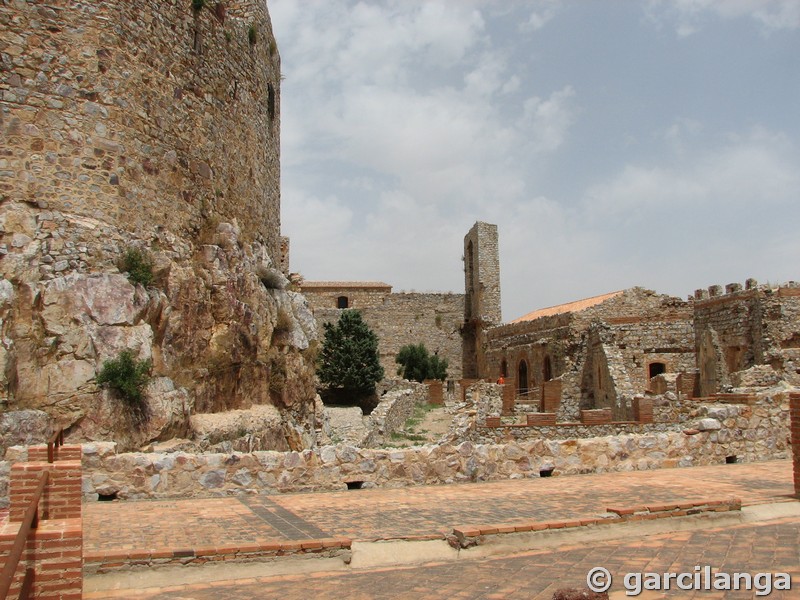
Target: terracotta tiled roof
344	284
569	307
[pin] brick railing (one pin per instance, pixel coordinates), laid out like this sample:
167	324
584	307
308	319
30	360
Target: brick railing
45	512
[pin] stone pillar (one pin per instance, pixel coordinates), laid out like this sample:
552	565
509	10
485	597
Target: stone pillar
794	411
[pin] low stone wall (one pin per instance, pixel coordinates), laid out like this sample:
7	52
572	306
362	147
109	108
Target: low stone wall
394	409
768	417
505	432
749	433
746	432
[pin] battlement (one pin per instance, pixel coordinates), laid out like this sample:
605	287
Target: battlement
734	291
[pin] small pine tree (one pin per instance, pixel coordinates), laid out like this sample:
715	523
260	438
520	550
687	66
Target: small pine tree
416	364
126	375
349	359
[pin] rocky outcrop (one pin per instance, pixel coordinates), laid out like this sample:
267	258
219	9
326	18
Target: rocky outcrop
23	428
220	328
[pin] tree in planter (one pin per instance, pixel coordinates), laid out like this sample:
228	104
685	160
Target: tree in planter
349	359
416	364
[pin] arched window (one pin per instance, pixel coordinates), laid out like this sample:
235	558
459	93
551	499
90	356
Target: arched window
522	379
342	302
656	368
547	370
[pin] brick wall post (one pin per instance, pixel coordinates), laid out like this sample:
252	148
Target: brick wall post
55	547
551	396
596	416
509	398
642	410
62	496
435	392
540	419
794	411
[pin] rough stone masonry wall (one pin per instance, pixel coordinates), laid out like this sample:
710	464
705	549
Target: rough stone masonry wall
324	297
142	114
742	328
759	433
639	327
482	308
395	408
413	318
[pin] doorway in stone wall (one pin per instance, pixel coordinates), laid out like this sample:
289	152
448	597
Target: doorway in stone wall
522	378
656	368
547	369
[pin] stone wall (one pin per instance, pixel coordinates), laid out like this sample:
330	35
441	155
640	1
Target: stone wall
747	433
794	408
712	434
143	115
482	308
153	127
395	408
403	318
325	296
743	328
602	353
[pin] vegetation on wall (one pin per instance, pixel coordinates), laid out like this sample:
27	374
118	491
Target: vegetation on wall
416	364
349	359
127	376
138	265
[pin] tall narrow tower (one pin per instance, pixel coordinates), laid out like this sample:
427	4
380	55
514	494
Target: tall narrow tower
482	289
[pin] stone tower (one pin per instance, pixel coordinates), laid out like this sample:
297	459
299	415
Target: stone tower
146	129
482	294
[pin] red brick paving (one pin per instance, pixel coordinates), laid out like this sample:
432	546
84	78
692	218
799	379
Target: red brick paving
765	547
417	512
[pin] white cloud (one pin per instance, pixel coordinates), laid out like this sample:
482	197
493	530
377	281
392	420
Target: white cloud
758	167
548	121
688	16
545	11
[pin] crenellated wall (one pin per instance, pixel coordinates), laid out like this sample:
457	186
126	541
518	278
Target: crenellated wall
744	328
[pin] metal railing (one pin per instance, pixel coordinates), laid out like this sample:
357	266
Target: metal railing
30	520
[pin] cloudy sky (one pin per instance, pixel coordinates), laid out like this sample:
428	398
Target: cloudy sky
652	143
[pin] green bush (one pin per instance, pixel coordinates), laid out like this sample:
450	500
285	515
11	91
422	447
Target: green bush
252	35
138	264
198	5
349	359
126	375
416	364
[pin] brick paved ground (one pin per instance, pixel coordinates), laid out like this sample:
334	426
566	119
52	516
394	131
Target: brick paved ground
772	547
414	512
